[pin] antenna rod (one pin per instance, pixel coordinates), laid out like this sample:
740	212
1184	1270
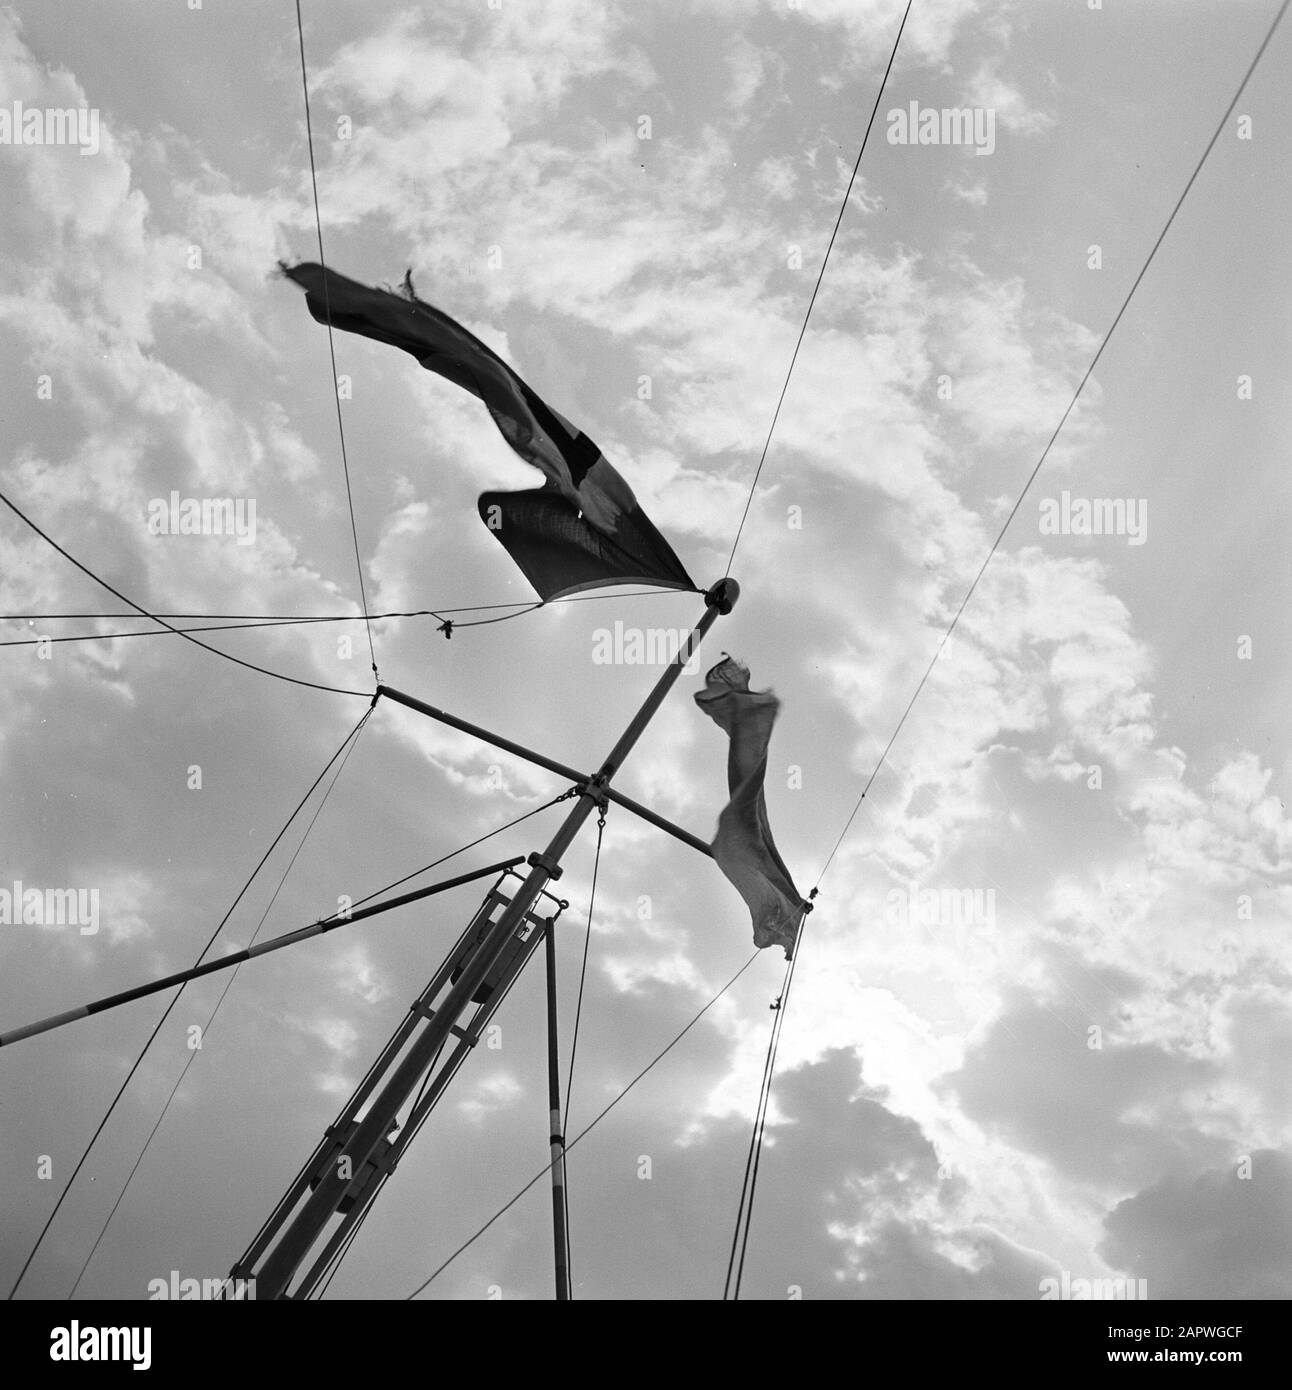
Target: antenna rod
560	1242
326	924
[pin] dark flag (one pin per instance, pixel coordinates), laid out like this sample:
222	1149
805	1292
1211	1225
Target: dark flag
559	554
584	527
744	848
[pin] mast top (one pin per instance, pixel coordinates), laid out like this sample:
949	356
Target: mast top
723	595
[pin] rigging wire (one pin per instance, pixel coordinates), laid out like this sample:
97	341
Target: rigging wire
448	626
745	1214
820	276
211	617
253	620
574	1042
357	617
1081	385
67	1186
587	1129
331	347
583	972
754	1136
192	1056
152	632
343	1250
143	612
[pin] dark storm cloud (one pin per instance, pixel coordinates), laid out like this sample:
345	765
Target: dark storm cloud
1107	1114
1219	1235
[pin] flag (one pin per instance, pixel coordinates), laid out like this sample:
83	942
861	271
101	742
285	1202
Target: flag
744	848
559	554
584	527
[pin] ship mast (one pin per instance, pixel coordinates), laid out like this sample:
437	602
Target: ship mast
307	1231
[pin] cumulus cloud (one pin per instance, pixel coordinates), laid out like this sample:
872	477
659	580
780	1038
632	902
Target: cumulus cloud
989	89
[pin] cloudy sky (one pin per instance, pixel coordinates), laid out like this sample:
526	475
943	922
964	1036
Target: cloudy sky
1089	1074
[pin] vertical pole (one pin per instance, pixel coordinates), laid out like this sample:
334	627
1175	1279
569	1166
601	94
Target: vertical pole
560	1244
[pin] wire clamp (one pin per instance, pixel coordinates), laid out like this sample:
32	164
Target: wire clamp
595	788
546	863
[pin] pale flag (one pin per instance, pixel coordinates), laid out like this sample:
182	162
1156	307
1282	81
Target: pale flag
744	848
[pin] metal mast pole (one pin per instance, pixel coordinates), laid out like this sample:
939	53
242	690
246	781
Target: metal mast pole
560	1244
300	1221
